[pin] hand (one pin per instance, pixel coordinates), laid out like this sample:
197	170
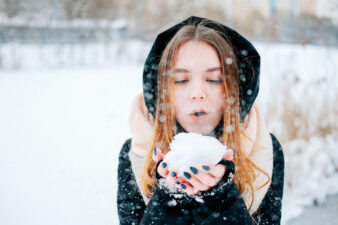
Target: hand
198	180
162	168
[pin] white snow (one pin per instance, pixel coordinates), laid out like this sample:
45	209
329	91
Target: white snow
172	203
192	149
60	133
64	118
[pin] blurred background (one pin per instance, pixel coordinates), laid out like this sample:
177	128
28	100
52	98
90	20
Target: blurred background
69	70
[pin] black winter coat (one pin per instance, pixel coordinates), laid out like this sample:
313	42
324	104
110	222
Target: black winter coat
223	203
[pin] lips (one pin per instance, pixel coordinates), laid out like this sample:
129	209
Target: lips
198	114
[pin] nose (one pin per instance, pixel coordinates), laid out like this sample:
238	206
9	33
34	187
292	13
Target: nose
198	92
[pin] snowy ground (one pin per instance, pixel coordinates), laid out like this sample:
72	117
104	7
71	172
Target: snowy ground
325	214
60	134
62	126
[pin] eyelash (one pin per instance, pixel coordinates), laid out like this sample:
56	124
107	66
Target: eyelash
211	81
180	81
215	81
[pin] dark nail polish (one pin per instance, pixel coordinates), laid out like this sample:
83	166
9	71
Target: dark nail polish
193	169
173	174
207	168
187	175
234	152
164	165
183	186
155	151
177	182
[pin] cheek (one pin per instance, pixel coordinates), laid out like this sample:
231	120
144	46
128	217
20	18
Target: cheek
217	95
178	101
218	102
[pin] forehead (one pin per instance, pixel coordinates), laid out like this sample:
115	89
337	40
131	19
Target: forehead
196	55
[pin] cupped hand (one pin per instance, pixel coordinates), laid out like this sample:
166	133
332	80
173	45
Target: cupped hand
195	180
162	168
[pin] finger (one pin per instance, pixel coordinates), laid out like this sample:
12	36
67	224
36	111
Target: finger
203	177
183	185
157	155
217	170
179	181
209	181
171	177
217	180
186	187
197	184
162	169
229	155
193	178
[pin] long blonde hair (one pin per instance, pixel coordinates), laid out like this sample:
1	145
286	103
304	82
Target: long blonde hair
165	123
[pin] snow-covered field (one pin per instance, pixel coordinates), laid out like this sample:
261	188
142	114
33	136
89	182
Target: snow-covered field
64	117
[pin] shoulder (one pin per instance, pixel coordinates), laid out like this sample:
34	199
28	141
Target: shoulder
275	142
278	156
270	207
125	150
124	161
124	173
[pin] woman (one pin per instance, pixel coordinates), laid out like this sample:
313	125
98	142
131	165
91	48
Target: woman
203	77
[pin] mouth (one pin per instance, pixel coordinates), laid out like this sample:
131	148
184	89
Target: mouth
197	115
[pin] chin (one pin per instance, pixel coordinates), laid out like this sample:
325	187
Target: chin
200	130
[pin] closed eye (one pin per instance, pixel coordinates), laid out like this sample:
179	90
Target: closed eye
215	81
180	81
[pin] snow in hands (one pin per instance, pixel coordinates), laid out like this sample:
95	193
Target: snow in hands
192	149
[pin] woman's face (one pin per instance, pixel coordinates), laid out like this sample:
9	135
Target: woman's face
198	89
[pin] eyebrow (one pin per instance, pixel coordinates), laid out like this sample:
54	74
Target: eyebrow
212	69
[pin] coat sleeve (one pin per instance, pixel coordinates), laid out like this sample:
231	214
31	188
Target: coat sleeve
222	204
269	211
130	204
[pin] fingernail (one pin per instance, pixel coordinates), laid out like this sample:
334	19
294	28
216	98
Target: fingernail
183	186
187	175
173	174
207	168
164	165
155	151
193	169
234	152
177	182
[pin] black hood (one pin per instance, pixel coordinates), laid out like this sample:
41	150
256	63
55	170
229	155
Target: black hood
247	57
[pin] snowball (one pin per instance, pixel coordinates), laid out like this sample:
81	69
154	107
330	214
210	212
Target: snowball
192	149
